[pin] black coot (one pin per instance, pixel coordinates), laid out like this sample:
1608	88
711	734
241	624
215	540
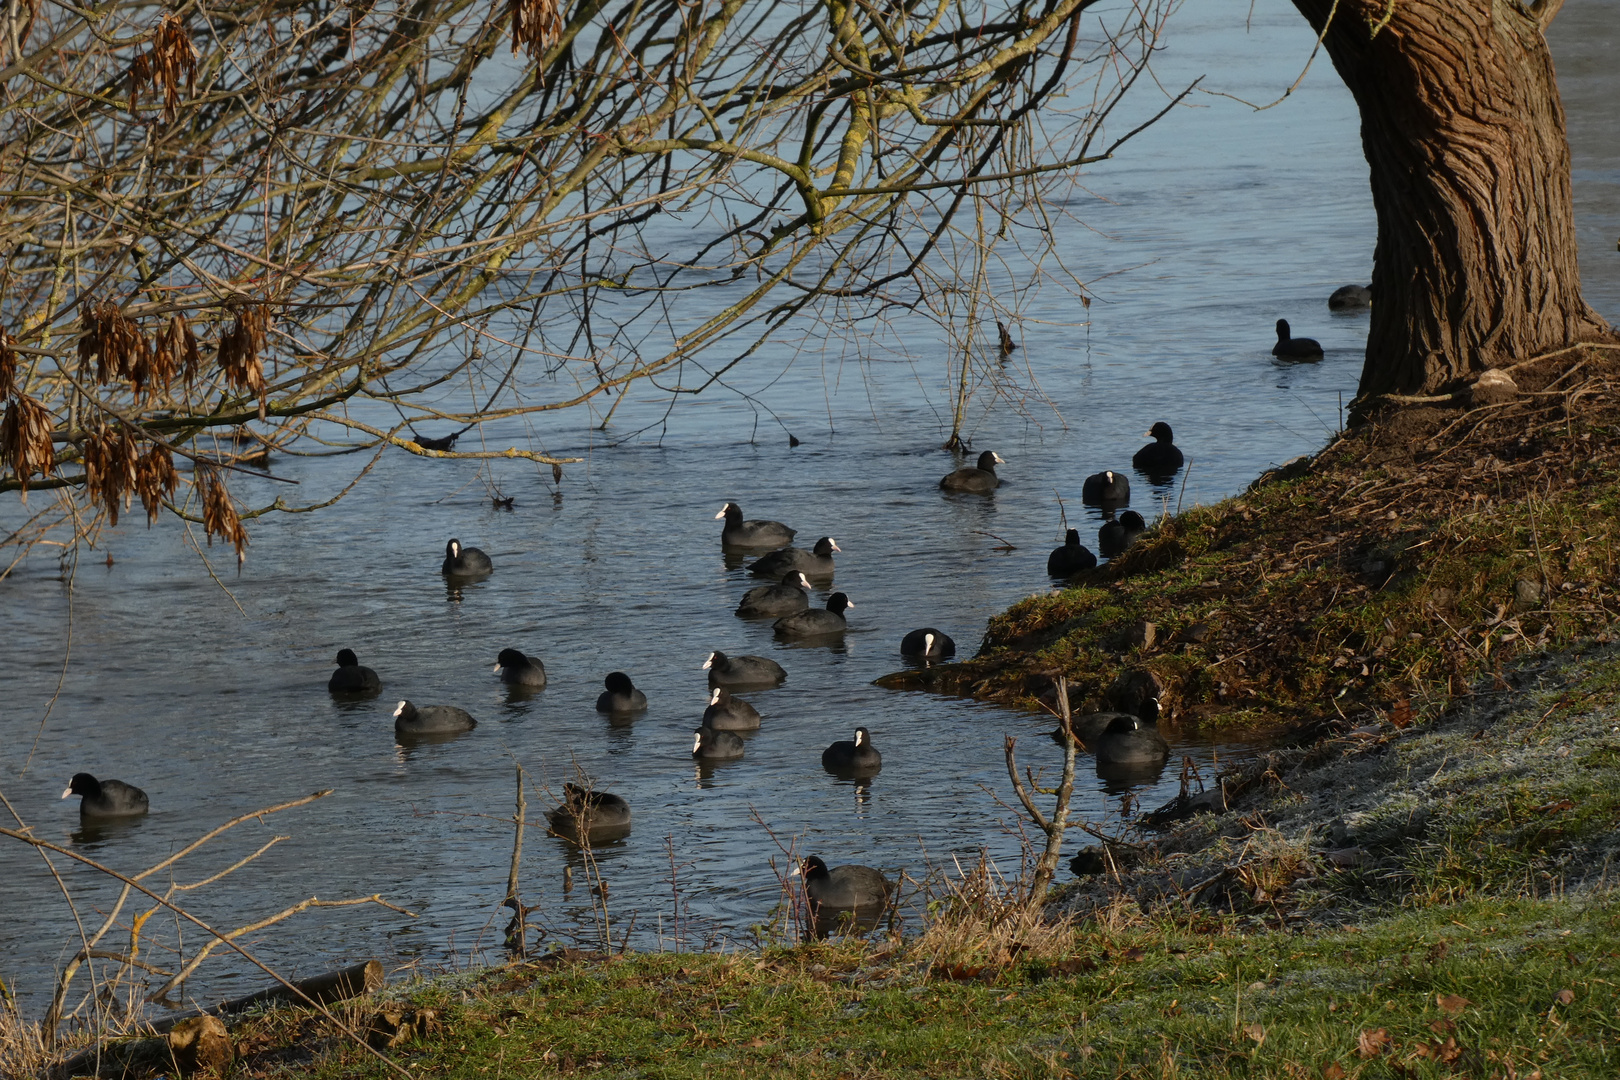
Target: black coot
1071	558
1107	488
845	888
711	745
816	563
431	719
621	695
981	480
726	713
1161	456
593	815
465	561
856	755
1130	740
928	642
351	678
1350	298
1118	534
1295	348
762	601
757	535
735	672
816	622
106	798
516	669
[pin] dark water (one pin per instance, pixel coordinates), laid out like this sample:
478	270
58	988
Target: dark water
215	702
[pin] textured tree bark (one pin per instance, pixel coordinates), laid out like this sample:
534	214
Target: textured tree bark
1463	130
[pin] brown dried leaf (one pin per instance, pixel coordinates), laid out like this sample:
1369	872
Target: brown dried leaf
1372	1042
536	25
1555	807
1564	997
1333	1071
1452	1004
25	439
1256	1032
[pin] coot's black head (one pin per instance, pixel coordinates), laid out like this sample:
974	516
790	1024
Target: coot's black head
1121	724
863	737
405	711
452	549
717	659
83	784
720	696
1132	520
346	658
837	602
812	867
825	547
1282	329
1150	711
618	682
732	513
1072	538
990	459
1161	431
511	658
796	580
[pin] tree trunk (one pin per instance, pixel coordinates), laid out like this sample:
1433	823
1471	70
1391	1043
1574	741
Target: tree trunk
1464	132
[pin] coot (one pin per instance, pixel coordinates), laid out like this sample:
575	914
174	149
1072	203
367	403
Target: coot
1350	297
817	562
1130	740
845	888
431	719
1118	534
351	678
980	480
1071	558
816	622
465	562
621	695
1107	488
516	669
1162	455
740	671
711	745
1295	348
595	815
726	713
856	755
106	798
776	600
759	534
928	642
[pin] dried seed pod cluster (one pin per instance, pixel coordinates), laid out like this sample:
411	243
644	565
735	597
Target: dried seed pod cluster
219	514
8	365
109	467
171	58
115	342
239	349
536	25
25	439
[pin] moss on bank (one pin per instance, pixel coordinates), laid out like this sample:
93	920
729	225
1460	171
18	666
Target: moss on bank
1391	571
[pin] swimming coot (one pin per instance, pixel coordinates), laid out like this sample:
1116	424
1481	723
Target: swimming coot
465	561
1107	488
431	719
928	642
981	480
816	622
351	678
621	695
737	533
711	745
1118	534
1091	728
1071	558
852	756
845	888
106	798
776	600
594	815
1350	298
726	713
1162	455
743	671
1130	740
817	562
1295	348
516	669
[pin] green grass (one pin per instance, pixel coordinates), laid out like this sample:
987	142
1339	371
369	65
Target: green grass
1165	1000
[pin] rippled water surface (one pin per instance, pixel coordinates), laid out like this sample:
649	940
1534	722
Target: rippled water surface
214	701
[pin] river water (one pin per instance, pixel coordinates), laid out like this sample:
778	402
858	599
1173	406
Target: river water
214	702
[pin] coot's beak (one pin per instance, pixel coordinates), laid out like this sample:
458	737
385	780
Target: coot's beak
68	792
849	603
795	872
496	669
707	664
721	514
835	546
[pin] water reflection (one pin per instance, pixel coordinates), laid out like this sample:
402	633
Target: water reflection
93	833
